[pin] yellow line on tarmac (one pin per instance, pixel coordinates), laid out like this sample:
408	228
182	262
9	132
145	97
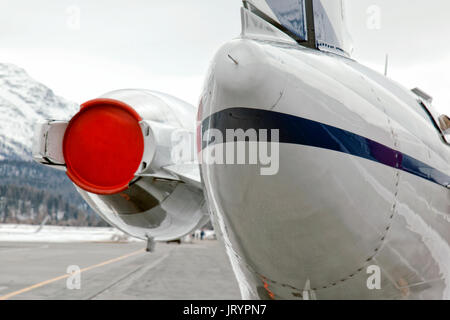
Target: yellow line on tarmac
43	283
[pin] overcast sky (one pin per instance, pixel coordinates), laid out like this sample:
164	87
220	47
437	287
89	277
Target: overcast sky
82	48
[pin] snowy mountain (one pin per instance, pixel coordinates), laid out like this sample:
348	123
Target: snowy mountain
23	103
30	192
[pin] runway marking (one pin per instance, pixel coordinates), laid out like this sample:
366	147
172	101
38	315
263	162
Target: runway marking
22	249
139	270
43	283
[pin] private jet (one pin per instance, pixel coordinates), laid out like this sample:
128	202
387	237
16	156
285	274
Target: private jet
323	178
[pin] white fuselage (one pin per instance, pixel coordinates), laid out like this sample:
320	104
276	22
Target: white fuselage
361	178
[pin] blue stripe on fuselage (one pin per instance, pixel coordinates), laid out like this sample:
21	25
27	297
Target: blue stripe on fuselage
301	131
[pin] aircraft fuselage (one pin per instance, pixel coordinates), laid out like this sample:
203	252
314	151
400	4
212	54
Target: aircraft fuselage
360	184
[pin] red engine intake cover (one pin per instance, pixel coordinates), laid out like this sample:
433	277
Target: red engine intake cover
103	146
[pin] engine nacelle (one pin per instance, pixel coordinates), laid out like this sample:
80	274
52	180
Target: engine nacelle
118	150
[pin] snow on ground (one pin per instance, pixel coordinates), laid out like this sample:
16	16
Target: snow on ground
33	233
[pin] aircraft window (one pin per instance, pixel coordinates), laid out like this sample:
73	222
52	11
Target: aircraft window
424	112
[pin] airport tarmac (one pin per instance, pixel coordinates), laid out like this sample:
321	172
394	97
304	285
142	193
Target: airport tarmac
200	270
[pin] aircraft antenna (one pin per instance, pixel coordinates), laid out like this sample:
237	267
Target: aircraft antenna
386	65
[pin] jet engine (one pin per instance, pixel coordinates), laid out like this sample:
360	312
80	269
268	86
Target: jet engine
131	156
